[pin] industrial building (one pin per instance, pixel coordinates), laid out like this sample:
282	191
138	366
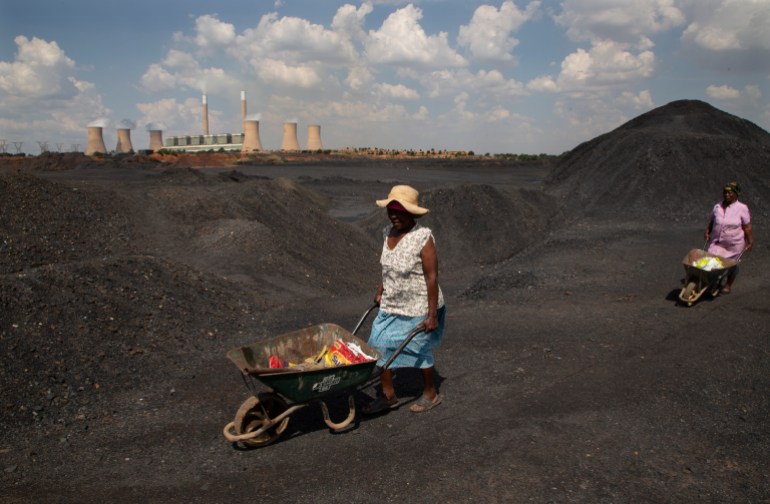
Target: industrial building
246	141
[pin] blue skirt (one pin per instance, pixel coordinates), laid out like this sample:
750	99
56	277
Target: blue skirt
389	331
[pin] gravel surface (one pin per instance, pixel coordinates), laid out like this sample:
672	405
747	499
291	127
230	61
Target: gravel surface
569	371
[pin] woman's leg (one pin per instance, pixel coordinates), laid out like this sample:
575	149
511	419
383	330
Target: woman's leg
729	279
428	387
386	380
728	285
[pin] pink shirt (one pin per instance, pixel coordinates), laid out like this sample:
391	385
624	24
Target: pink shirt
727	236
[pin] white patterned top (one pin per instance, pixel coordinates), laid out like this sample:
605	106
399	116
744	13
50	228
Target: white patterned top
404	289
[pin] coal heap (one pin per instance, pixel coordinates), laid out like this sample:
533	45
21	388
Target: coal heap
125	285
669	163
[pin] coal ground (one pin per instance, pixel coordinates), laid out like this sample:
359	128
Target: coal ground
569	371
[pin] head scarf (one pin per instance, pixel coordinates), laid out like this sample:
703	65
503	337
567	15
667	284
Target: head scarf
734	187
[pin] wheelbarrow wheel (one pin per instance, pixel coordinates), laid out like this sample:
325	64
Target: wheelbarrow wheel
688	293
255	413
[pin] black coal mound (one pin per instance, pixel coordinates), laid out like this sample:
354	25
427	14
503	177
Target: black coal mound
669	163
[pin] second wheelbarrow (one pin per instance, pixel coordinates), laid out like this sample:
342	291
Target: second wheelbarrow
700	279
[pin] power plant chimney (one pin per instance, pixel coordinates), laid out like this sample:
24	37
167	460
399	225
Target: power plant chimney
205	115
314	137
124	141
243	105
289	142
156	140
95	141
251	137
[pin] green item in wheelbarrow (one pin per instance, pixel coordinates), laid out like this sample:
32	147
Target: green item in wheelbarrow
304	385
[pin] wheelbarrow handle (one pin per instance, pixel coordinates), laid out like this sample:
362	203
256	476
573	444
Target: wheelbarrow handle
360	322
403	344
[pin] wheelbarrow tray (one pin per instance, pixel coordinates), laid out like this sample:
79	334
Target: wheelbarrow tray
705	277
296	346
697	280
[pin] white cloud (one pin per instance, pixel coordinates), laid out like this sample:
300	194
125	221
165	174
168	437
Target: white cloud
42	99
182	70
178	117
397	91
182	61
543	83
402	41
745	102
605	64
40	69
292	40
349	21
589	117
730	24
491	84
211	33
358	77
497	114
278	72
157	79
621	20
488	35
722	92
639	102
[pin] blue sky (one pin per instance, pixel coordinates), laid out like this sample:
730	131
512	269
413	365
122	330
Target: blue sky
492	77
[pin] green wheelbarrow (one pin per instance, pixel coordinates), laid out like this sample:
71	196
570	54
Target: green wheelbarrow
263	417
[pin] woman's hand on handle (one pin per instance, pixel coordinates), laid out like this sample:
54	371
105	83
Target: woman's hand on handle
430	323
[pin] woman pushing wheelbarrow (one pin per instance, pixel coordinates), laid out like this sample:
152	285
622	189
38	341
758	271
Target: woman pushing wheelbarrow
728	236
729	232
409	297
313	364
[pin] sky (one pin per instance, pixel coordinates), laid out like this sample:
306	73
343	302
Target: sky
525	77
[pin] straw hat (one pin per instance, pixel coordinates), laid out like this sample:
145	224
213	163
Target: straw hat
405	195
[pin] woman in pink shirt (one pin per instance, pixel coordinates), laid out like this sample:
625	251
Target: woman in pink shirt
729	231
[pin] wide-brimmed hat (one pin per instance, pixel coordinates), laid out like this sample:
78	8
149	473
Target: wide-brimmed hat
407	197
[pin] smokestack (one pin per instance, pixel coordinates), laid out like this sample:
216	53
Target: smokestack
95	141
124	141
205	115
156	140
314	137
289	142
243	105
251	137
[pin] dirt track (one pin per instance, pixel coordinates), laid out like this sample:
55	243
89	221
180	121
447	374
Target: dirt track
570	374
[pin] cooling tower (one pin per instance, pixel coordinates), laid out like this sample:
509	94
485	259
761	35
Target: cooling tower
314	137
205	115
124	141
95	141
243	105
251	137
289	141
156	140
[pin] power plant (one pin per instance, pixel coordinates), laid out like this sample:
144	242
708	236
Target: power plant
124	141
205	115
314	138
251	140
95	141
246	141
156	139
289	142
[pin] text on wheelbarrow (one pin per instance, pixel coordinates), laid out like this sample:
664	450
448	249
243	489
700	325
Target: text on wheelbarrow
327	383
